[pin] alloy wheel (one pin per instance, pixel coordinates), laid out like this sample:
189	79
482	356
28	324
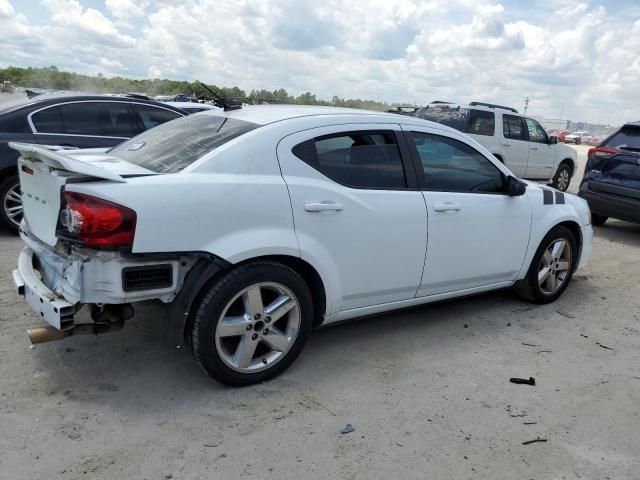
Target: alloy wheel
563	180
554	267
12	204
258	326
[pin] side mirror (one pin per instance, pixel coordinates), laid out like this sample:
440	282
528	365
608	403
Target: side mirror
553	140
515	187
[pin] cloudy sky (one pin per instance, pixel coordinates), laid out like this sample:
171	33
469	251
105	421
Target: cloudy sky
578	60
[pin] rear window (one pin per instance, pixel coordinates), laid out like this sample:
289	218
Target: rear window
173	146
451	117
626	137
476	122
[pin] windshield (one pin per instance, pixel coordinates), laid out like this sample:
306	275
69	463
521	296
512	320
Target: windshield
175	145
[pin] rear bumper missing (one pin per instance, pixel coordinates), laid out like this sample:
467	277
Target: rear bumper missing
56	311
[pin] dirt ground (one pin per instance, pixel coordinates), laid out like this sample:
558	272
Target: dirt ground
427	391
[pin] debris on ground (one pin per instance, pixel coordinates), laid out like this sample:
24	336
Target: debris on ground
528	442
584	336
466	326
566	314
523	381
529	423
348	428
530	344
604	346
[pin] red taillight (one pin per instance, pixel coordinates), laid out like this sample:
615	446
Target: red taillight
601	152
96	222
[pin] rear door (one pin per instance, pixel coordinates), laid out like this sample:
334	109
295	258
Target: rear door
357	211
621	168
541	153
515	148
83	124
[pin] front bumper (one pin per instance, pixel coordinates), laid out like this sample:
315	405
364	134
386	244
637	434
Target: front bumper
585	251
56	311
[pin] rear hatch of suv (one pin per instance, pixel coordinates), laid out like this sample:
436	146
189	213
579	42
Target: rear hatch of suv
614	166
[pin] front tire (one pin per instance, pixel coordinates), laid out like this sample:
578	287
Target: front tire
562	178
552	266
11	202
252	323
598	220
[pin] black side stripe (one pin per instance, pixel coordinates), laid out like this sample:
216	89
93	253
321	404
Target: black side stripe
559	198
548	197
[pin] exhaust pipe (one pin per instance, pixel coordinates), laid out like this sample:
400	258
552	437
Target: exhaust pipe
110	318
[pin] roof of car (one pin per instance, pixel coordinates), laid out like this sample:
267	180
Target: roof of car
264	114
186	105
47	99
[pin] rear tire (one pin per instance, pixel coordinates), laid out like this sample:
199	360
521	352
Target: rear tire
598	220
11	202
562	179
252	323
556	256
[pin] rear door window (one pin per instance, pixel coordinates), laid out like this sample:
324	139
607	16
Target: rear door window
481	123
151	116
361	159
512	127
48	120
170	148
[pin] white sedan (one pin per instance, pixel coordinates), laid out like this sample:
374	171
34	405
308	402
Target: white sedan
258	224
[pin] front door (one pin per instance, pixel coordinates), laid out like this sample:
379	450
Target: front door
541	153
478	235
514	145
356	216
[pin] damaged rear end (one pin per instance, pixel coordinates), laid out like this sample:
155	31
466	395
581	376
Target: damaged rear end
78	247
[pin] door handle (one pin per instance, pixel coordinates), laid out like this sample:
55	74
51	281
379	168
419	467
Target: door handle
323	207
534	148
446	207
505	144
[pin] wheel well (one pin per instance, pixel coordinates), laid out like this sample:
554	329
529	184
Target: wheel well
569	162
577	234
310	276
7	172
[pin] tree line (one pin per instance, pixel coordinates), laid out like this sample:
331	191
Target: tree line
52	78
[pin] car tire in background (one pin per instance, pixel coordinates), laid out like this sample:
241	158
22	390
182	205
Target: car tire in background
11	202
252	323
552	267
598	220
562	179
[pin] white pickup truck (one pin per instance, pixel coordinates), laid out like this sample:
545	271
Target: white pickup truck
517	141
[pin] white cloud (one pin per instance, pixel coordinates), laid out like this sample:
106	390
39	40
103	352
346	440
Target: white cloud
575	58
126	9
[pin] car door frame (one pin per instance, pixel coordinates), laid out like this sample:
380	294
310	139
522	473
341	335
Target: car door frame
335	309
502	169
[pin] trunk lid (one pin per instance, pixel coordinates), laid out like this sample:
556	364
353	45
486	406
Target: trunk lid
45	170
622	169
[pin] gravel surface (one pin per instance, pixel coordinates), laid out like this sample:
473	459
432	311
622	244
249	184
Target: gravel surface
426	391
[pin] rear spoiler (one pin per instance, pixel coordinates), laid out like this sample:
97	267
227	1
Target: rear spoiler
52	157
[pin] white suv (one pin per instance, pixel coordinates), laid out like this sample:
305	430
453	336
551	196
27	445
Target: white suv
517	141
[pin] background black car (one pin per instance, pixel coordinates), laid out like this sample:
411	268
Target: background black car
71	121
611	183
